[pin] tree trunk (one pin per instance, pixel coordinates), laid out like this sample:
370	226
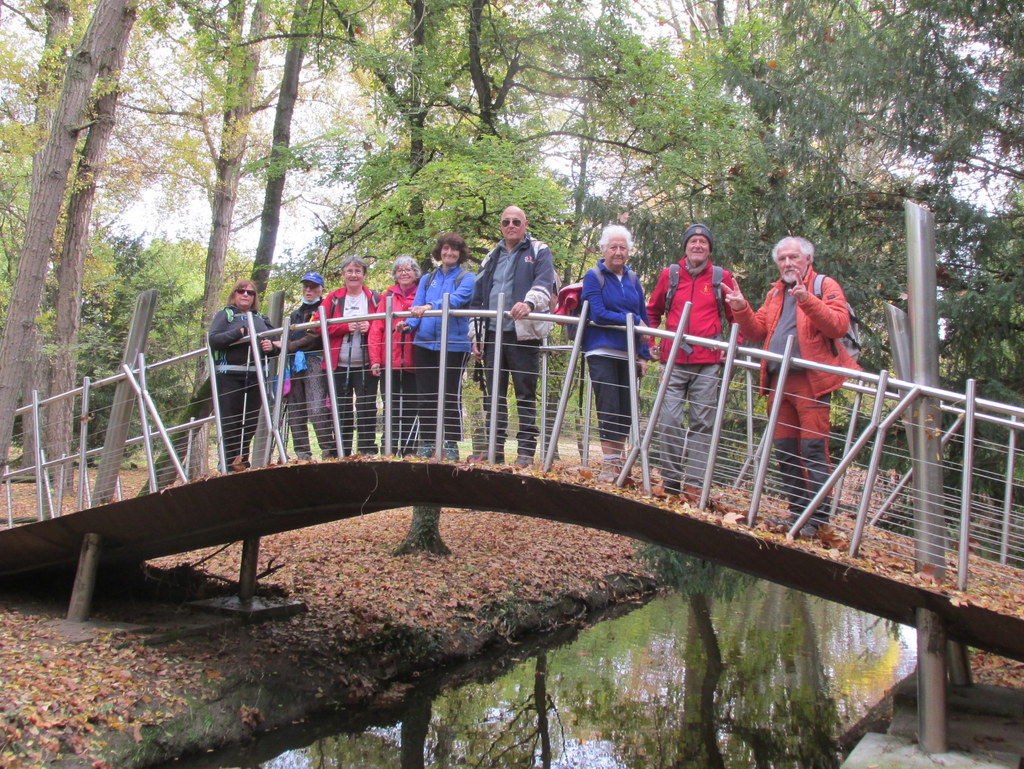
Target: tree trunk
424	532
244	63
277	170
50	168
76	235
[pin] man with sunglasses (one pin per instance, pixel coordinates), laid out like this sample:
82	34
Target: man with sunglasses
520	268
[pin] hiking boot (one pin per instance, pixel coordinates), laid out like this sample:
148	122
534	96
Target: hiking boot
809	530
691	494
499	457
523	461
672	487
451	451
427	449
609	473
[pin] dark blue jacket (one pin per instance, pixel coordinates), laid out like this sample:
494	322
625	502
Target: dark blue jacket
609	306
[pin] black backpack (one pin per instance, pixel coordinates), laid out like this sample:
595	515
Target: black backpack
851	340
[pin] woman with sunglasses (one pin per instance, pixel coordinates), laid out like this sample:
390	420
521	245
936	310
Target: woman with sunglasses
238	393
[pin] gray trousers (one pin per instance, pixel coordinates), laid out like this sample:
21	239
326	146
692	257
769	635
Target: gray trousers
306	402
693	387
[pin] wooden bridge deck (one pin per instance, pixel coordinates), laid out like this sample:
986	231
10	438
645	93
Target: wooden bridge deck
228	508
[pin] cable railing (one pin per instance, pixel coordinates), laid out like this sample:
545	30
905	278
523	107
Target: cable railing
869	496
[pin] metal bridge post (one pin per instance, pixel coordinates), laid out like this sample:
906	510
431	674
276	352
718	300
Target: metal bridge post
931	682
268	432
83	443
926	451
85	578
567	383
108	472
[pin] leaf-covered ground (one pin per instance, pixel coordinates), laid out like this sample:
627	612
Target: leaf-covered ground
114	699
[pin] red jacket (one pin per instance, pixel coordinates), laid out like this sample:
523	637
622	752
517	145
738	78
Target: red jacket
401	342
705	317
820	323
334	306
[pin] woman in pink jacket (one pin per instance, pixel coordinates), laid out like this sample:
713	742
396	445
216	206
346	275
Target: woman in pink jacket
404	433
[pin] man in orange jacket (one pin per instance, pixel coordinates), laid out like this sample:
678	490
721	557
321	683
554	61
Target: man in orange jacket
791	308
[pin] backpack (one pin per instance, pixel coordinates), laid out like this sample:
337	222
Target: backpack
717	276
570	300
851	340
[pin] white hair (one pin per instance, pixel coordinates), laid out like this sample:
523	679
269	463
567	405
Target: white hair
612	231
806	247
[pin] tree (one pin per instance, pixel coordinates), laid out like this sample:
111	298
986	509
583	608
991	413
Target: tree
424	532
50	169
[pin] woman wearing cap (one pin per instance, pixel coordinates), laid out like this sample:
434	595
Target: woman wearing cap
450	278
613	293
238	391
403	378
306	399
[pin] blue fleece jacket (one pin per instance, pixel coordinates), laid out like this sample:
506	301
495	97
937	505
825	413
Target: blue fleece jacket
433	286
609	306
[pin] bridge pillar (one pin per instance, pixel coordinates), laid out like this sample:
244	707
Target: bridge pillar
85	578
931	682
247	569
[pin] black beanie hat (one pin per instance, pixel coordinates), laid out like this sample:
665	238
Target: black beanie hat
699	229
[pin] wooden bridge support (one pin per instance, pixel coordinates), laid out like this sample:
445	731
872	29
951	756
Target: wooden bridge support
85	578
247	569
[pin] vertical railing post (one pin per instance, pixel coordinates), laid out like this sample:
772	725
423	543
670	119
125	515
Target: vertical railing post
967	482
42	509
659	397
1011	452
83	444
716	428
492	433
442	373
769	431
211	366
563	400
389	384
332	388
634	408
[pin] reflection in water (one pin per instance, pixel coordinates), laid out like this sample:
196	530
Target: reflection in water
765	678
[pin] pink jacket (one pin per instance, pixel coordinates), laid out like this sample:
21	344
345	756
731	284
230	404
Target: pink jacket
401	342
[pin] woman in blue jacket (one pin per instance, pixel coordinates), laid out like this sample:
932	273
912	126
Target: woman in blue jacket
614	293
452	279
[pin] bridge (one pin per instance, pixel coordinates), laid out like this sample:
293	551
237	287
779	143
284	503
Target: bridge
933	541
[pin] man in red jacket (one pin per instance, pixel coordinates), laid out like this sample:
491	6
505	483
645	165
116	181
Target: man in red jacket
693	386
791	308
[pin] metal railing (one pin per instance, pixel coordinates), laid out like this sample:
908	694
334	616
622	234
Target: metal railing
868	495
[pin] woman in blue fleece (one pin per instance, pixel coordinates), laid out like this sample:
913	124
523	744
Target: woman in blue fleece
614	292
452	279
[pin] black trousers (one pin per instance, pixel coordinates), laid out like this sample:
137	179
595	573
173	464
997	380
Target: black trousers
520	362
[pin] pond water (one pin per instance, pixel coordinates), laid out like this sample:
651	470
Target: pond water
763	676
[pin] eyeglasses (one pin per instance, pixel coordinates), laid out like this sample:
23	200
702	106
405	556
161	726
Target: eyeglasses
246	292
513	222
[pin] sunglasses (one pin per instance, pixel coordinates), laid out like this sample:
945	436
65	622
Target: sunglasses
246	291
513	222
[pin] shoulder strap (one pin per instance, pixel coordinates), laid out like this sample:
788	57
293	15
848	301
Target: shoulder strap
229	313
673	284
599	275
819	279
717	276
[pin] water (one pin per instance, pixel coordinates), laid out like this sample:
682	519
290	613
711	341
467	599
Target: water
768	677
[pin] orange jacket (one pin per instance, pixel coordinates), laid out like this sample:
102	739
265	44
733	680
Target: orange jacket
820	323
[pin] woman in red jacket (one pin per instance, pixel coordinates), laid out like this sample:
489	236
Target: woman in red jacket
403	377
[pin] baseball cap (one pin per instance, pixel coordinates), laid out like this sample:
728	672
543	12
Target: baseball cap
313	277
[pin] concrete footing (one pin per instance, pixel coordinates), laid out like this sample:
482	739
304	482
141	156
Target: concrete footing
985	728
887	751
254	609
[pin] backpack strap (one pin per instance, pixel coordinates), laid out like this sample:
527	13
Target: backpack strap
819	281
673	284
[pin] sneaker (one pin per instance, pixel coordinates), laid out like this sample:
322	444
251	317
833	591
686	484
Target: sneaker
672	487
524	461
609	473
451	451
427	450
